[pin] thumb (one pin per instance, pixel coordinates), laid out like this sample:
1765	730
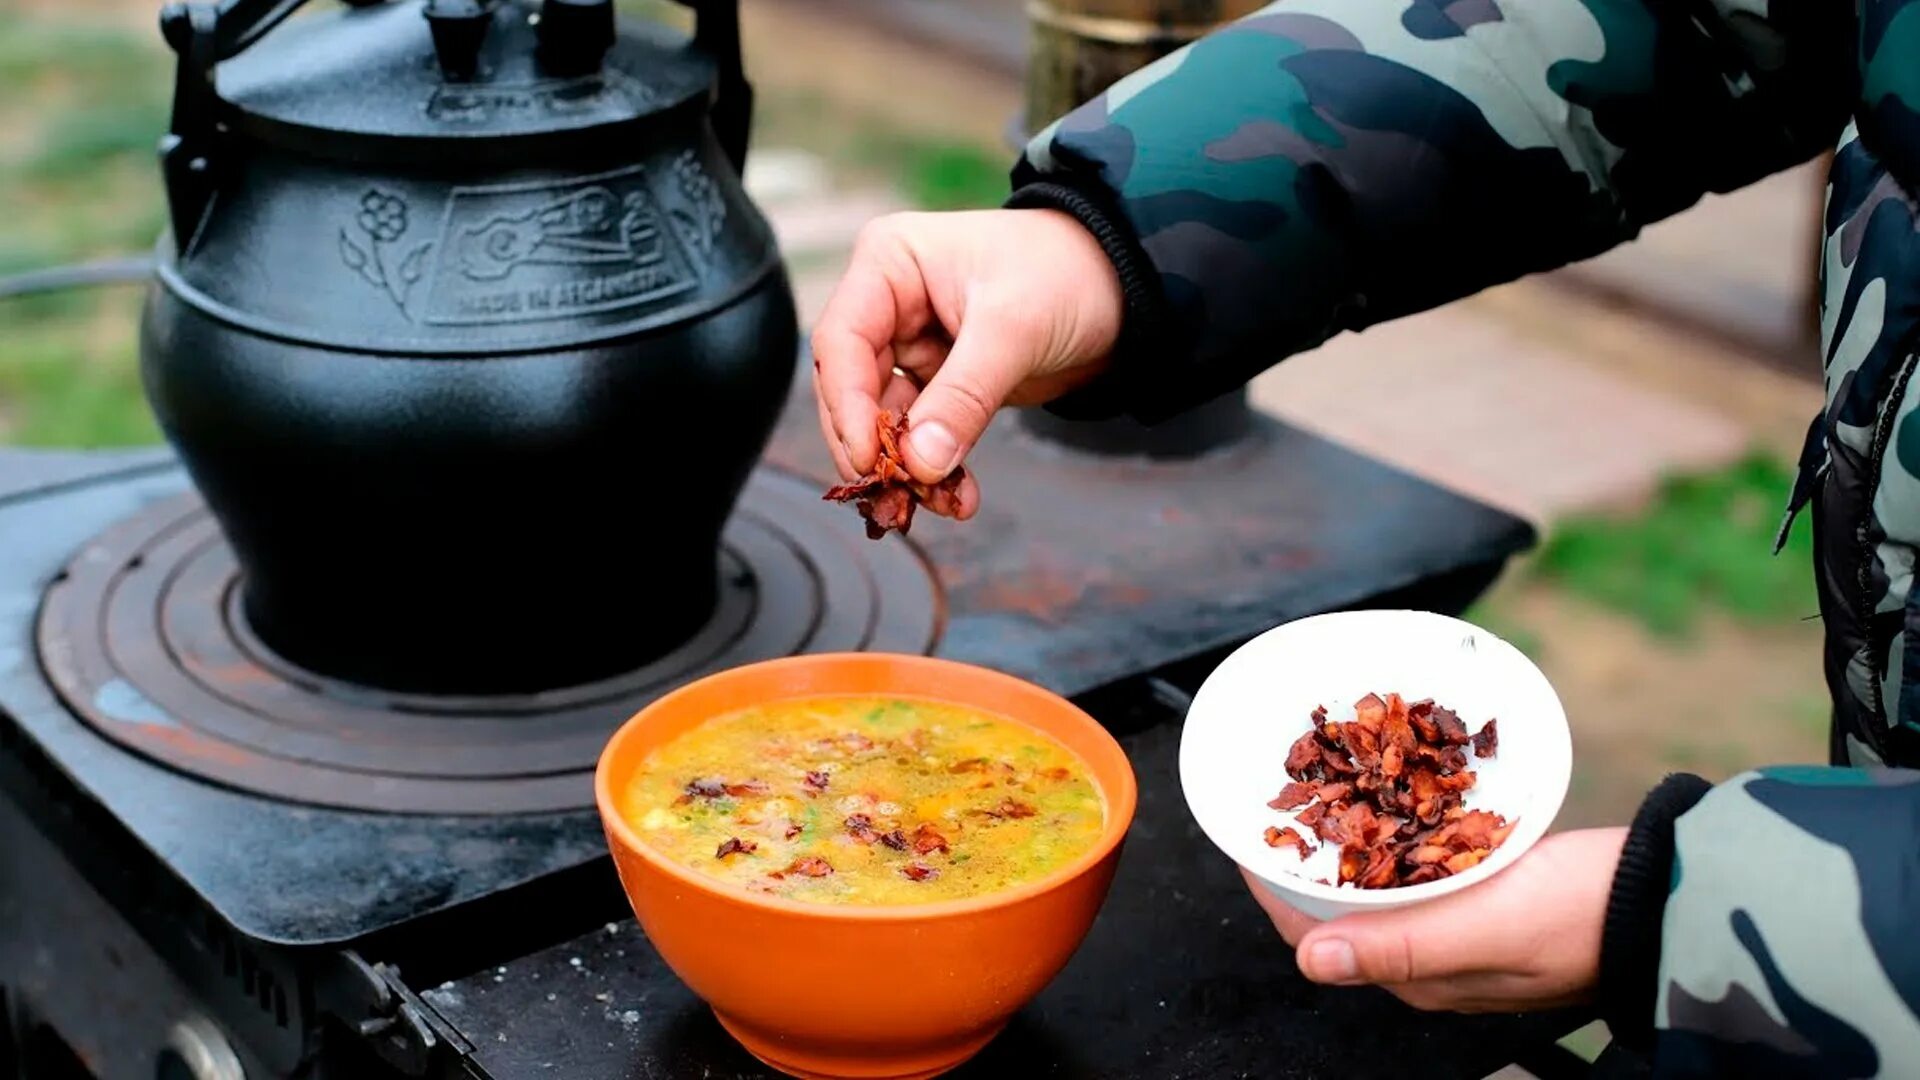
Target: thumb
990	358
1427	941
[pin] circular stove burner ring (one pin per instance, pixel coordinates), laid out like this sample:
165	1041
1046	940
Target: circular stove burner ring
142	637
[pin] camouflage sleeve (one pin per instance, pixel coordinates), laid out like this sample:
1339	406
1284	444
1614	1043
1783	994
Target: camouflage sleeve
1323	165
1786	945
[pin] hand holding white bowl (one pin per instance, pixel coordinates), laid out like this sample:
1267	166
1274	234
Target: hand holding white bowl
1253	706
1520	930
1528	938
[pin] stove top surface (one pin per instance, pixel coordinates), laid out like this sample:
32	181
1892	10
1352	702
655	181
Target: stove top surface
1081	572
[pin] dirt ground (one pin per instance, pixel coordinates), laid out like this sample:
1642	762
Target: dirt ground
1731	697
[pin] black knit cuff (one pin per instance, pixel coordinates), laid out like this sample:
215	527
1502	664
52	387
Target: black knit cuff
1144	319
1630	940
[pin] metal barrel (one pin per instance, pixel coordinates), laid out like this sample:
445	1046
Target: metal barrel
1078	49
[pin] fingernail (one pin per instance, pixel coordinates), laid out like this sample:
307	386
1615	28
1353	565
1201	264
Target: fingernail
1331	961
935	445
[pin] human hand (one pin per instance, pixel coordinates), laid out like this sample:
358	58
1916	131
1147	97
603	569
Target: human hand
950	316
1526	938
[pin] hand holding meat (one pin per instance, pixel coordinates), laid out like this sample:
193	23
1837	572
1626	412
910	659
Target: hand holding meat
945	318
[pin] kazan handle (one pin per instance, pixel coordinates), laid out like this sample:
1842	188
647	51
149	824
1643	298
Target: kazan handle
201	36
717	33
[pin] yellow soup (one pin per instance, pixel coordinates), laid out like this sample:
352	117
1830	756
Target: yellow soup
860	800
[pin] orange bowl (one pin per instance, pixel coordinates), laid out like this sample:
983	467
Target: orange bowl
818	990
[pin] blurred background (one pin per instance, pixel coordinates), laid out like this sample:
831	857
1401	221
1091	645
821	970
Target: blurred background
1642	408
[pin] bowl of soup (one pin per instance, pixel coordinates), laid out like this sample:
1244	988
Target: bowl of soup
864	863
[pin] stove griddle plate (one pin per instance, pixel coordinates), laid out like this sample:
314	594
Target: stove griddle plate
144	639
276	872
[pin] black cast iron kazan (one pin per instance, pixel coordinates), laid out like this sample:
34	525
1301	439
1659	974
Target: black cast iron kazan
450	291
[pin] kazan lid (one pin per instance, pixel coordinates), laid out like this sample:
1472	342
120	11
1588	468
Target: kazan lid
393	76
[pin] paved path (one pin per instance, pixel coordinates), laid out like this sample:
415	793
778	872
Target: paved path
1467	401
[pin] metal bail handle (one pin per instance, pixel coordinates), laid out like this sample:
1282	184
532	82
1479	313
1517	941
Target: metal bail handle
716	32
201	36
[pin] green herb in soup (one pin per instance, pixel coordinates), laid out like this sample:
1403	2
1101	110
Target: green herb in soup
858	800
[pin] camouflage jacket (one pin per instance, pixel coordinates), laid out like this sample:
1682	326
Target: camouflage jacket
1324	165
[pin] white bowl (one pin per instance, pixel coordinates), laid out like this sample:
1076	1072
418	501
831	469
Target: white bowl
1233	750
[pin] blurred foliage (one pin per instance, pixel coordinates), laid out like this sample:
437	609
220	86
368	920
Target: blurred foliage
1705	543
73	380
938	176
81	108
932	173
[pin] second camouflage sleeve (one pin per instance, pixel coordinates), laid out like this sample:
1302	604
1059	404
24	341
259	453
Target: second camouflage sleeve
1787	937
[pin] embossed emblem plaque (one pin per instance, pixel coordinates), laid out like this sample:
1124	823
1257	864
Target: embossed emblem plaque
523	252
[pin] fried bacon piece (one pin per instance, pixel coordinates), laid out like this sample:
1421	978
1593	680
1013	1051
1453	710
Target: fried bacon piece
1305	759
809	866
927	840
1362	744
860	827
1397	733
1420	715
847	742
896	840
815	782
710	787
1281	837
1370	713
1486	742
1386	788
1311	817
1009	809
1292	797
886	496
1349	824
733	845
1333	792
1452	731
1379	873
919	871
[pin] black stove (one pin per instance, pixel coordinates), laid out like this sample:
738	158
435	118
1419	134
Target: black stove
214	864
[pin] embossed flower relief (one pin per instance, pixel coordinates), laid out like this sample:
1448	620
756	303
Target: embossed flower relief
703	213
382	220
